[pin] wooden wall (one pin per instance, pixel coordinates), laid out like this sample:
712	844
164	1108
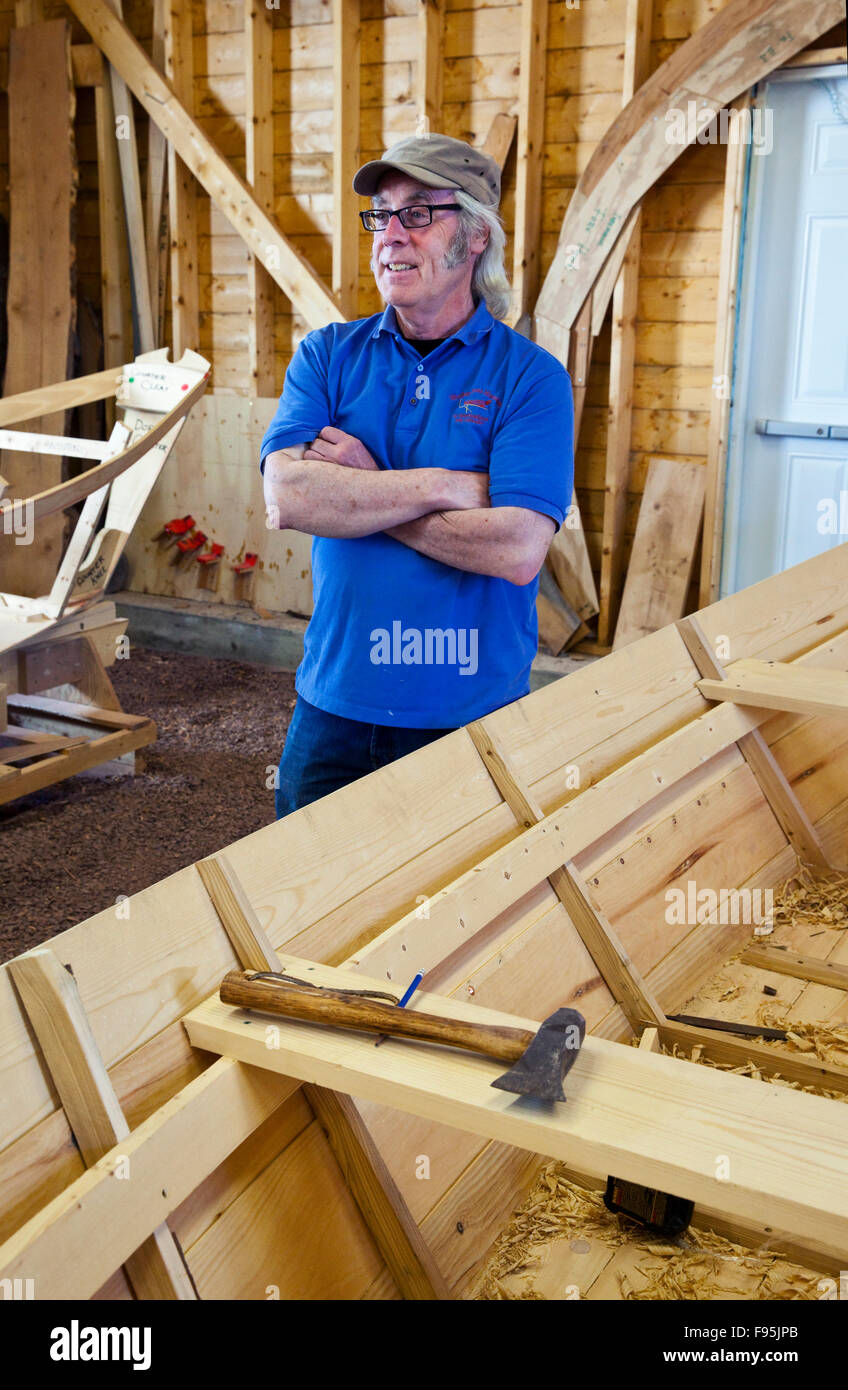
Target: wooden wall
681	224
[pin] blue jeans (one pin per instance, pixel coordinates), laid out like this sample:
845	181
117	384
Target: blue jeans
324	752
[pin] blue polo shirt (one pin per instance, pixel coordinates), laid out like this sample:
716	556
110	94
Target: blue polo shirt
398	638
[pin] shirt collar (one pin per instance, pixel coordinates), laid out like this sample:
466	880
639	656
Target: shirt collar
481	322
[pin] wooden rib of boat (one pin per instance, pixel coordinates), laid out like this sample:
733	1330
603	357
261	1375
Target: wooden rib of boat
157	1142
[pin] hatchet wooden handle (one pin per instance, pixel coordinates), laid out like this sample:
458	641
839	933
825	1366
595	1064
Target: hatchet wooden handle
370	1016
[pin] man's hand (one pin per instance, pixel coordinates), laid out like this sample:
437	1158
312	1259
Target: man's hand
334	446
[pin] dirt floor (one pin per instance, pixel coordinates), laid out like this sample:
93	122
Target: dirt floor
69	851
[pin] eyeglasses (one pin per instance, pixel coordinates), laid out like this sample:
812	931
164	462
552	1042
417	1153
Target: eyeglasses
421	215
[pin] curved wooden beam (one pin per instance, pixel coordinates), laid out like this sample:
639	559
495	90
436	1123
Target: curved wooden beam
741	44
65	494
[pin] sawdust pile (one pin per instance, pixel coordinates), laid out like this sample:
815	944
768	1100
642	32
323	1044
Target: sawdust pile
696	1265
812	897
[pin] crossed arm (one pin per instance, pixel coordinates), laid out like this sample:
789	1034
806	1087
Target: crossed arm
333	487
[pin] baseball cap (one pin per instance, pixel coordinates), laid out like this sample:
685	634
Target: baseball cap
438	161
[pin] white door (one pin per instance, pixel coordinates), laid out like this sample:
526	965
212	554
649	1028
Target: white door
787	478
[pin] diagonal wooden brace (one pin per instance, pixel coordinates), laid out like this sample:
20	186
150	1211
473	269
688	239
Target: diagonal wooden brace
156	1270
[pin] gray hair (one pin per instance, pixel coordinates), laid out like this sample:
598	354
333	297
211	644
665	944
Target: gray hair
489	280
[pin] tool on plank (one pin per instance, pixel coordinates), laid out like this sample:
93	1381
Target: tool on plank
541	1060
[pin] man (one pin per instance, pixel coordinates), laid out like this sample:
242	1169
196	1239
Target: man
429	451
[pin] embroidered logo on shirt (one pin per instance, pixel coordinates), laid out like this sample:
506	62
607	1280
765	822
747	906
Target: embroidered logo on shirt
474	406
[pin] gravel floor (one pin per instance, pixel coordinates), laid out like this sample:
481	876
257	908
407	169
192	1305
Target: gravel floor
70	850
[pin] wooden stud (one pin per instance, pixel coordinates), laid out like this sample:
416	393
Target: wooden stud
637	46
529	154
383	1209
182	202
259	172
227	190
346	147
41	304
650	1041
52	1002
596	932
663	551
125	137
430	64
774	785
499	138
156	224
728	272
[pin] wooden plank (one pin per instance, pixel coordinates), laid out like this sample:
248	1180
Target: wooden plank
154	210
787	1151
168	1155
526	267
430	62
596	932
568	556
819	972
133	206
29	743
58	398
41	307
227	190
82	536
736	48
499	138
738	153
384	1211
721	1047
346	154
182	203
774	784
259	172
637	45
87	65
663	551
50	996
779	685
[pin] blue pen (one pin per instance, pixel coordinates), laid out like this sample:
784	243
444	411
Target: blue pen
402	1003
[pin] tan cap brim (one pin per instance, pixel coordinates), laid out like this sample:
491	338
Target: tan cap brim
367	179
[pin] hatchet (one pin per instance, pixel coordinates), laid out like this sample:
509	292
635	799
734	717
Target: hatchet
541	1060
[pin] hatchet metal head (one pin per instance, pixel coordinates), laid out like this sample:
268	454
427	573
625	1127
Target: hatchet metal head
546	1062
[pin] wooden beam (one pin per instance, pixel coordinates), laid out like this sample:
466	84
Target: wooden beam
787	1159
637	48
41	304
155	216
372	1187
133	206
738	153
800	967
782	686
114	258
50	996
59	398
87	65
429	65
663	552
228	192
346	147
568	555
259	172
532	66
182	202
593	927
771	1061
737	47
786	808
499	138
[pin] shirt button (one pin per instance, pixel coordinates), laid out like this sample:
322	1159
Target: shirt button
413	400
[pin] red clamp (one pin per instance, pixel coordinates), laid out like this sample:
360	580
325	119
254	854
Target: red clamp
212	556
192	543
247	564
180	526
